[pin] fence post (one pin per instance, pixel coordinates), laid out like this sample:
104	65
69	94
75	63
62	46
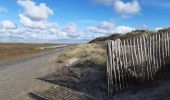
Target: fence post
114	65
125	64
108	65
168	44
135	55
142	56
153	55
150	57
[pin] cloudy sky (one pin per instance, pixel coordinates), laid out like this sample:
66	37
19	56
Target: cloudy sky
78	20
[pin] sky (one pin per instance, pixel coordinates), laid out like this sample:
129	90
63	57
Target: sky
78	21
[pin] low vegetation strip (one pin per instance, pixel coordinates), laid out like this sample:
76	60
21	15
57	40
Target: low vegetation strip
93	53
135	33
13	51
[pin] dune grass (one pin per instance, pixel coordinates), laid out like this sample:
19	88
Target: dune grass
94	53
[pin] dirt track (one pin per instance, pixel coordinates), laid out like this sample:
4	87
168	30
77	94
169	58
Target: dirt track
19	78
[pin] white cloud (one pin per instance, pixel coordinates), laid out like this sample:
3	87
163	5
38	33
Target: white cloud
108	27
36	27
126	9
25	34
123	29
35	16
8	25
35	12
27	22
34	20
71	30
95	29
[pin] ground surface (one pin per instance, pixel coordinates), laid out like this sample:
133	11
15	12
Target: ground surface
18	78
88	79
80	78
158	91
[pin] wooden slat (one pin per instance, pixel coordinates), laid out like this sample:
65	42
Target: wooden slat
125	64
153	55
150	57
156	53
114	66
135	54
108	65
163	48
146	58
142	56
168	45
159	55
117	65
139	56
132	64
111	67
128	63
121	53
132	53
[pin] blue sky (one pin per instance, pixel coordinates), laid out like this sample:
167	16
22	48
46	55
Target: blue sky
78	20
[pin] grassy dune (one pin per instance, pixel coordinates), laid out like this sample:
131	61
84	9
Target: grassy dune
12	51
93	53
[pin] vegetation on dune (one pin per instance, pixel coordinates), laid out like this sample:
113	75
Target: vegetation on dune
135	33
164	30
93	53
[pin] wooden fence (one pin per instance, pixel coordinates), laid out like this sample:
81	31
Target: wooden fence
136	60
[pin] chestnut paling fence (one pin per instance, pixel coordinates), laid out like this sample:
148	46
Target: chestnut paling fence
132	60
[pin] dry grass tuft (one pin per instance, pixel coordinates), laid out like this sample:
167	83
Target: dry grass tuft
94	52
